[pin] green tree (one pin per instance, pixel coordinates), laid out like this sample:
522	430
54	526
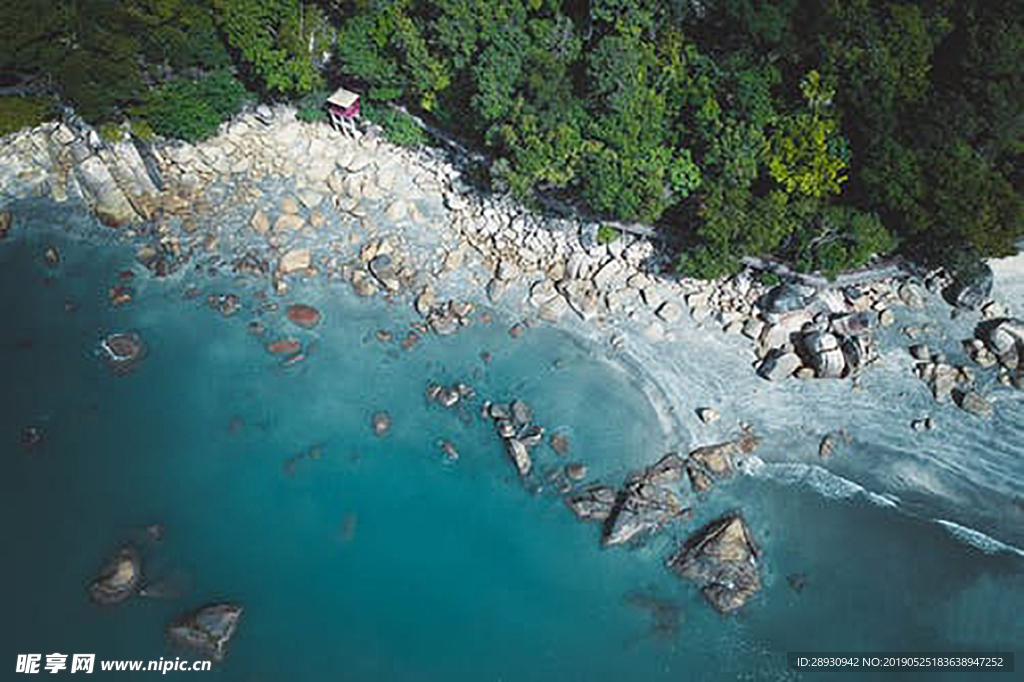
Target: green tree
278	40
807	153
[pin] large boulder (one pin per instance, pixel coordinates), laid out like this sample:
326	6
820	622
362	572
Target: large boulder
119	578
971	286
711	463
519	455
645	504
787	298
722	558
103	194
824	354
295	260
593	504
206	630
779	366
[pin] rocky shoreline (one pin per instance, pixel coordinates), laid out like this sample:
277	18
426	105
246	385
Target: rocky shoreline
273	200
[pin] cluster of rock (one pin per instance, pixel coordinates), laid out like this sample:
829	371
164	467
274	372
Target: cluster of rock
719	556
811	334
206	630
68	160
1000	341
514	424
997	342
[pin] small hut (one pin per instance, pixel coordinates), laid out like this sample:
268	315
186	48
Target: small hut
343	108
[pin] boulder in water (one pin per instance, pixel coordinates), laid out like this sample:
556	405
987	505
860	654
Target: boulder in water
381	423
305	316
206	630
641	507
122	351
722	558
975	403
519	455
593	504
119	578
6	220
284	347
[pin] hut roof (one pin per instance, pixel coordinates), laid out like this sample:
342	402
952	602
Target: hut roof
343	98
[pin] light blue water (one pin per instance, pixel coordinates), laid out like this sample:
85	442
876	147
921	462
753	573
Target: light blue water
379	560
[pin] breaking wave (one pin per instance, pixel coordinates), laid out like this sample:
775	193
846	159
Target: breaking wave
976	538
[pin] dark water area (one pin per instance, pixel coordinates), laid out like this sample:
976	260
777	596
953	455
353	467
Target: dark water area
365	558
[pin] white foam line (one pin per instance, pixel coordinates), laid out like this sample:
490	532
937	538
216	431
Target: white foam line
976	538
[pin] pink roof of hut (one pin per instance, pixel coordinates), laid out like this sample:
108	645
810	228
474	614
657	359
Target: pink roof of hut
344	102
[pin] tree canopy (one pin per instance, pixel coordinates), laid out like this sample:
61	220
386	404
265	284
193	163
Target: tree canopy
823	133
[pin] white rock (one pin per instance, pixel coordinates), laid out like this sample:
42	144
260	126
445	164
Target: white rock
397	211
554	309
612	275
259	222
288	222
294	260
709	415
780	367
309	198
670	312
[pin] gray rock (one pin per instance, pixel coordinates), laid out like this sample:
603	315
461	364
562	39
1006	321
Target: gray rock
670	312
722	558
119	579
780	366
519	455
592	504
207	630
383	268
522	414
975	403
381	423
920	351
560	443
576	471
709	415
640	508
711	463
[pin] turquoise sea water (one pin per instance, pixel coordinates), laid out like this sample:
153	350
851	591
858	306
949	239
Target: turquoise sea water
361	558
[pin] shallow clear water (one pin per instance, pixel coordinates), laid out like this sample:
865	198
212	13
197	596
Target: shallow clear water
378	560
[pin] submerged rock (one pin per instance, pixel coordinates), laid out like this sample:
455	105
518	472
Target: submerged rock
559	443
284	347
722	558
206	630
119	578
304	315
381	423
6	220
522	414
593	504
123	351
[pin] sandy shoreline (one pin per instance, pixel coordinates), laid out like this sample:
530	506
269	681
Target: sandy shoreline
275	199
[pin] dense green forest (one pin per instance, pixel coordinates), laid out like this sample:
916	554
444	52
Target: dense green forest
820	131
